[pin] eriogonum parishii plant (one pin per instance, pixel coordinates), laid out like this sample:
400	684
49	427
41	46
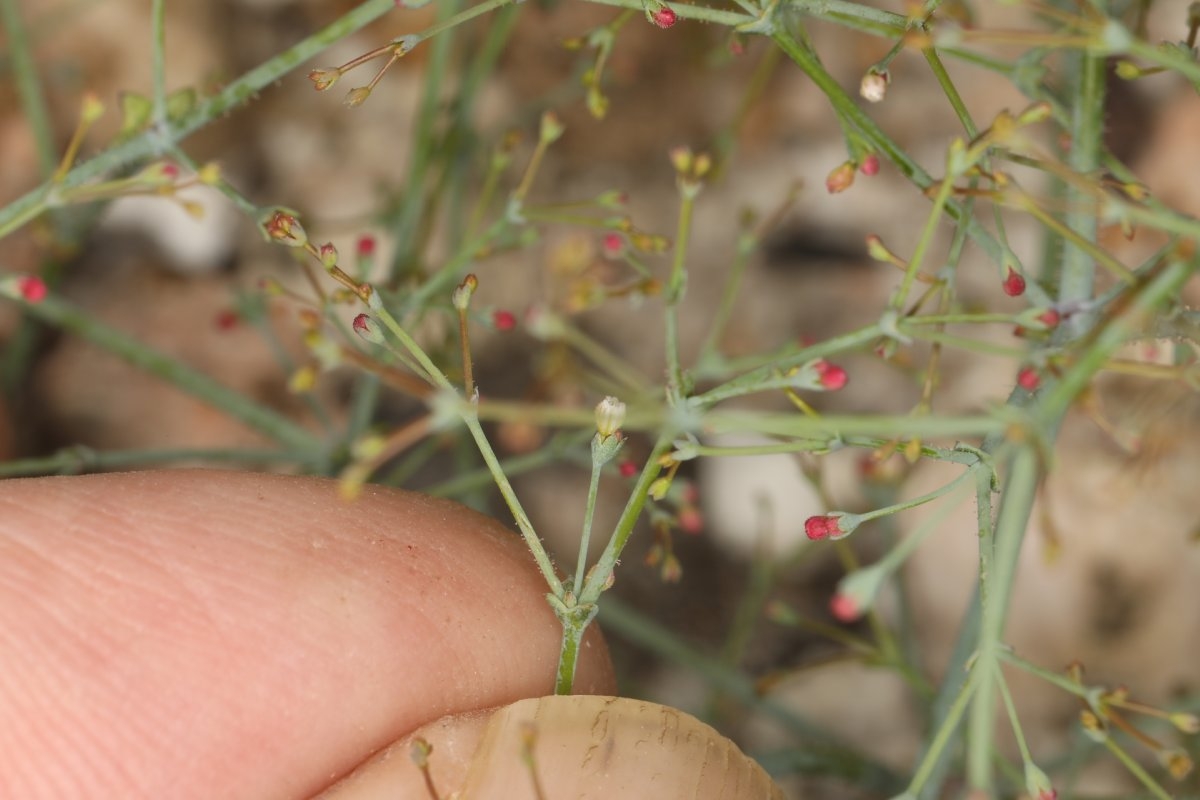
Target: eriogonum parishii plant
413	307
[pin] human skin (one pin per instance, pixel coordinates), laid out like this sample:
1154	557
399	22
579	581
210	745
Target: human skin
211	634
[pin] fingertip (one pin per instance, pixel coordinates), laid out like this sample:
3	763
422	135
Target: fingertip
200	634
564	747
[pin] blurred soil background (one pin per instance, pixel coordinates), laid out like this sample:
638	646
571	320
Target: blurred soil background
1122	592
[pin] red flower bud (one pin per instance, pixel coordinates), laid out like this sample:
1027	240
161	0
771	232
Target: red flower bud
870	165
613	245
838	525
365	248
627	469
831	376
663	17
504	320
1028	379
1014	283
329	255
844	608
1050	318
817	528
366	327
32	288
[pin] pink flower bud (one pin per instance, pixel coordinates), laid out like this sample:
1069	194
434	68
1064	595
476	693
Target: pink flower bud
627	469
366	327
870	165
663	17
831	376
31	288
613	245
329	255
1014	282
1028	379
1050	318
504	320
365	248
844	608
817	528
837	525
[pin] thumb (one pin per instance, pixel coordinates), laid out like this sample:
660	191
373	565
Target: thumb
563	748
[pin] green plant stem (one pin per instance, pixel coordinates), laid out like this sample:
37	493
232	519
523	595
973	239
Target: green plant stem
514	505
1136	770
835	427
575	621
468	412
854	15
464	16
29	88
951	91
900	297
961	342
998	569
908	325
589	512
62	315
699	451
1077	278
236	93
1058	680
900	552
1015	722
598	575
676	284
949	725
158	62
